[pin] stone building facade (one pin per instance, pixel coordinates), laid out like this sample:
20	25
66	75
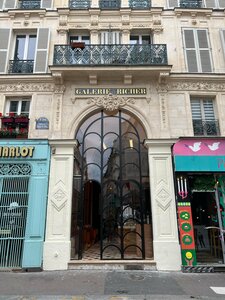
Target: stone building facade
157	63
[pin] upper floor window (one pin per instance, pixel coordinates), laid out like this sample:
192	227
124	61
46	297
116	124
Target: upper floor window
80	38
110	37
79	4
197	50
140	39
18	107
139	4
24	54
203	116
185	3
25	47
28	51
26	4
109	4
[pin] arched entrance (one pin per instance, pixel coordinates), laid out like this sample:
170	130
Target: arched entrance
111	214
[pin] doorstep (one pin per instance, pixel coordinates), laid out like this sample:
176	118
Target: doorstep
112	265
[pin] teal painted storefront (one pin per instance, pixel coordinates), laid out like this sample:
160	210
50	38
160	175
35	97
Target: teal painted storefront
199	163
37	159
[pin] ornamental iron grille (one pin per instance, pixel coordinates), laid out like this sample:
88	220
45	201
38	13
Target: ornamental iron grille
139	4
112	211
149	54
206	127
29	4
14	194
191	3
79	4
109	4
21	66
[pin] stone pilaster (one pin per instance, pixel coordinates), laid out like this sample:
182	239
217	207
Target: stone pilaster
57	240
165	232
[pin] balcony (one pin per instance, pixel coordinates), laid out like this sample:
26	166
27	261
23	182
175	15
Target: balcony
206	127
21	66
191	3
140	4
109	4
79	4
29	4
113	55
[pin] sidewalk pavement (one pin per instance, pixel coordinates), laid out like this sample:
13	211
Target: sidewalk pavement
110	285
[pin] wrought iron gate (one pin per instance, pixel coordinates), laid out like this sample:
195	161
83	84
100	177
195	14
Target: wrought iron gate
14	194
111	167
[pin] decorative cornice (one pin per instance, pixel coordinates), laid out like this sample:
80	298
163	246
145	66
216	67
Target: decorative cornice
196	86
27	87
111	102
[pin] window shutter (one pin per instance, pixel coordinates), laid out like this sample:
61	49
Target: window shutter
208	110
115	38
10	3
196	109
46	4
1	4
210	3
40	65
173	3
221	3
204	50
4	45
222	35
104	37
190	49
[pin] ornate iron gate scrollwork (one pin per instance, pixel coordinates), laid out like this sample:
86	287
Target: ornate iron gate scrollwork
111	152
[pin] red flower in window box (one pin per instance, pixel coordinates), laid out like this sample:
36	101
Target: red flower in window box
21	119
8	119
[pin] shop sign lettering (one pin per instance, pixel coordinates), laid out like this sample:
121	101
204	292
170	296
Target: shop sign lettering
16	151
106	91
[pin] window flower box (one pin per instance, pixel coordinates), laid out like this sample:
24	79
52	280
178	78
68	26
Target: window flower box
7	120
79	45
21	119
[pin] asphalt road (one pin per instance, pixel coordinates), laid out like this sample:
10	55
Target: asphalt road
111	285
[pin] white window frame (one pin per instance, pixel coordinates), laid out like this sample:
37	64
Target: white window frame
19	100
80	38
26	47
140	38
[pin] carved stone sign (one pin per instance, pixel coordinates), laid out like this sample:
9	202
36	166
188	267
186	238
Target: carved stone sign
107	91
42	123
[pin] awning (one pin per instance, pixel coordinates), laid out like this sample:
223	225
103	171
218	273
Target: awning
199	154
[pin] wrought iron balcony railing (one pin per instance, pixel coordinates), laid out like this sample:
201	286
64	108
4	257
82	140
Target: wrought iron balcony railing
79	4
29	4
153	54
140	4
109	4
191	3
206	127
21	66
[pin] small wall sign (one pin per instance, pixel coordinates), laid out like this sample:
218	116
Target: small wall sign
42	123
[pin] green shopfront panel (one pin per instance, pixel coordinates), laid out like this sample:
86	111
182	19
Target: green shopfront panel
35	154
